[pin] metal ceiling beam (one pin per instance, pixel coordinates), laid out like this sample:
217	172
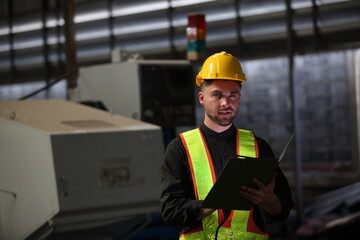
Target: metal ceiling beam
260	26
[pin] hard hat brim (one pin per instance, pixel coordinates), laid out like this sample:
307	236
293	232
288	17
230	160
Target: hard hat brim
199	80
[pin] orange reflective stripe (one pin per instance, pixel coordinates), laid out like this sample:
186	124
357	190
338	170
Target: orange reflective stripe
227	223
256	148
251	226
221	216
194	230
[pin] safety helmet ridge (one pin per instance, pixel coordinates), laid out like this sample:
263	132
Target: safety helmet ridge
221	66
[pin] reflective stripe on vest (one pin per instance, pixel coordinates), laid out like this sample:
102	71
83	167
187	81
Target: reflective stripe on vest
240	224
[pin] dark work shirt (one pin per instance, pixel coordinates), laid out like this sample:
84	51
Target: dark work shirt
178	205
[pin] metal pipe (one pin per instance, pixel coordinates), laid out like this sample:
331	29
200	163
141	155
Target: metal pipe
171	30
70	43
295	112
319	43
353	58
47	67
111	24
238	21
11	40
59	49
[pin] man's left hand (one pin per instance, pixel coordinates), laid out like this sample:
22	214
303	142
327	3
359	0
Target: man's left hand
264	196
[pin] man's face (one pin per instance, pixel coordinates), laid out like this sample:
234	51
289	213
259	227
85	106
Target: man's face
221	101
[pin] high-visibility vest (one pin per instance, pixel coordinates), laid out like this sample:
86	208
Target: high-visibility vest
240	224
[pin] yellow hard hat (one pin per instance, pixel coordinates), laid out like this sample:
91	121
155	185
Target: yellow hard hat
221	66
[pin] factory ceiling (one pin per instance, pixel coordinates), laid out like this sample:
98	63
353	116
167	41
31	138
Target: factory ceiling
32	32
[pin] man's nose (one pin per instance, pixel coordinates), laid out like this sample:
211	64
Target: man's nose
224	101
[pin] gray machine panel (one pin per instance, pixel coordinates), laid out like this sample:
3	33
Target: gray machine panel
66	166
113	169
154	91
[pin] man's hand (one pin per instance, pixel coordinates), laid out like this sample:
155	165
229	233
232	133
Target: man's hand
204	212
264	196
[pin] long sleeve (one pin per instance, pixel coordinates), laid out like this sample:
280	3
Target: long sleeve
179	207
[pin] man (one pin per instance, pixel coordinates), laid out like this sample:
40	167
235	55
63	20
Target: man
195	159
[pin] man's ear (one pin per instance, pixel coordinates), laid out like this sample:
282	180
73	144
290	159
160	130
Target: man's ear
201	98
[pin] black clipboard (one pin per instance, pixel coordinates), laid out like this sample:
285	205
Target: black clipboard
240	172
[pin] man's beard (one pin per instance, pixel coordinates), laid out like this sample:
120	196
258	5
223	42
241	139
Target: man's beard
222	121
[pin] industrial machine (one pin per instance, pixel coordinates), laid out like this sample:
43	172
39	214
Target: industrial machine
155	91
68	166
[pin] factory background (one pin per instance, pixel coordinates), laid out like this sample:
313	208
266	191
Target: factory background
301	57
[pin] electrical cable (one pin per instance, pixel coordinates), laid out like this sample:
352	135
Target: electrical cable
47	86
218	228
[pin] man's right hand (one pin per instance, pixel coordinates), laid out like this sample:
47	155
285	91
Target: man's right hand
204	212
